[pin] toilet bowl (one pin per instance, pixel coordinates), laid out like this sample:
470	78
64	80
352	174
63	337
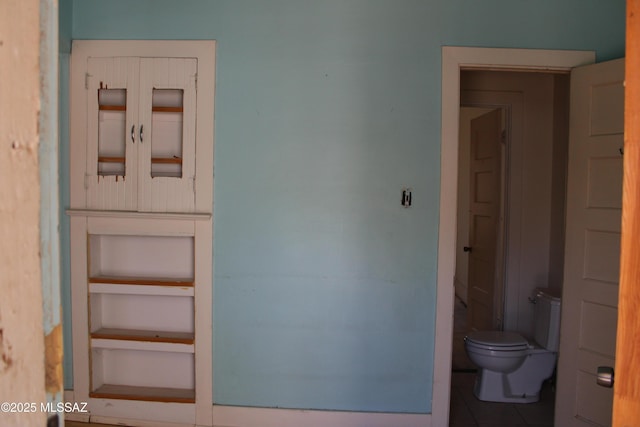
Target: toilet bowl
512	368
498	351
509	373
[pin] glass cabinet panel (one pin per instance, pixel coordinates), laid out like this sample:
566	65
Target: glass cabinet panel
166	142
112	110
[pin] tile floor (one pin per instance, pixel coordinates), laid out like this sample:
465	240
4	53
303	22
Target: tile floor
467	411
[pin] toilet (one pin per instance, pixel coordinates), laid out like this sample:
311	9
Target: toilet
512	368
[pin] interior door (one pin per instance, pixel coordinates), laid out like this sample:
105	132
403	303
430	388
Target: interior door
592	250
484	191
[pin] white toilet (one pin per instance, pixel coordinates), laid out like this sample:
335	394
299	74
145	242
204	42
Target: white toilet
512	369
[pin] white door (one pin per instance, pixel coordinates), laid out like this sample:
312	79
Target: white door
592	252
484	194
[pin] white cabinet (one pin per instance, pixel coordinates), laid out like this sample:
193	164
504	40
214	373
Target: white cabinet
141	229
141	134
138	120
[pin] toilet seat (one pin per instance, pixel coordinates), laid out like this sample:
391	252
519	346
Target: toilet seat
497	340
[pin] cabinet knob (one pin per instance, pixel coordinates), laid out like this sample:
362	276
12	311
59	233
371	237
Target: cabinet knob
141	133
133	134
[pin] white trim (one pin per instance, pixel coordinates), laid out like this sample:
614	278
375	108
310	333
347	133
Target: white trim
115	344
453	59
203	320
140	226
141	215
514	59
118	289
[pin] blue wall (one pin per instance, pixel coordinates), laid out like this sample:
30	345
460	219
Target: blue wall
324	286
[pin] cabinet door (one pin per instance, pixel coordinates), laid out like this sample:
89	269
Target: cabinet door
166	158
112	117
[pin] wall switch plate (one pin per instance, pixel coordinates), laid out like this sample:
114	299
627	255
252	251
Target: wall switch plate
406	197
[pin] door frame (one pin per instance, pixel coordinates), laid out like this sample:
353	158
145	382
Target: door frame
454	59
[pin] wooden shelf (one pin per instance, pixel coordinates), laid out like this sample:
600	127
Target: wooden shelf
148	290
167	109
154	109
144	281
113	107
155	160
144	335
107	159
167	160
149	394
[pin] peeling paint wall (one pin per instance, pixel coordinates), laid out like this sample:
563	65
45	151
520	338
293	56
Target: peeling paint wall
21	334
49	197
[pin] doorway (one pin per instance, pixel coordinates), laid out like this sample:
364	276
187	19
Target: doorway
453	60
535	116
528	236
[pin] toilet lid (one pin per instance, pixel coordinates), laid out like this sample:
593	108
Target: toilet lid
498	339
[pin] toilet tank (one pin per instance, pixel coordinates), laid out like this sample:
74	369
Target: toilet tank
546	317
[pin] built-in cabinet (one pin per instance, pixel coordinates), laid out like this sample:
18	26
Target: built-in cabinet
141	133
141	229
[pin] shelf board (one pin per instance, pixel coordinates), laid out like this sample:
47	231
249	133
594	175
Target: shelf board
155	160
167	109
139	345
149	394
110	159
113	107
144	281
144	336
148	290
167	160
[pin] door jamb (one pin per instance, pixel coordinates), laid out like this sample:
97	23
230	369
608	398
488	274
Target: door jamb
453	59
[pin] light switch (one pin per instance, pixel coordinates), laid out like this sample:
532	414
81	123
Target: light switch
406	197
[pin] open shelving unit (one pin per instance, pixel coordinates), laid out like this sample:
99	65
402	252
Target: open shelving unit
141	228
138	350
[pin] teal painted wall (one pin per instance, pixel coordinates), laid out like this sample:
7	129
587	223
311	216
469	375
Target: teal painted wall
324	286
